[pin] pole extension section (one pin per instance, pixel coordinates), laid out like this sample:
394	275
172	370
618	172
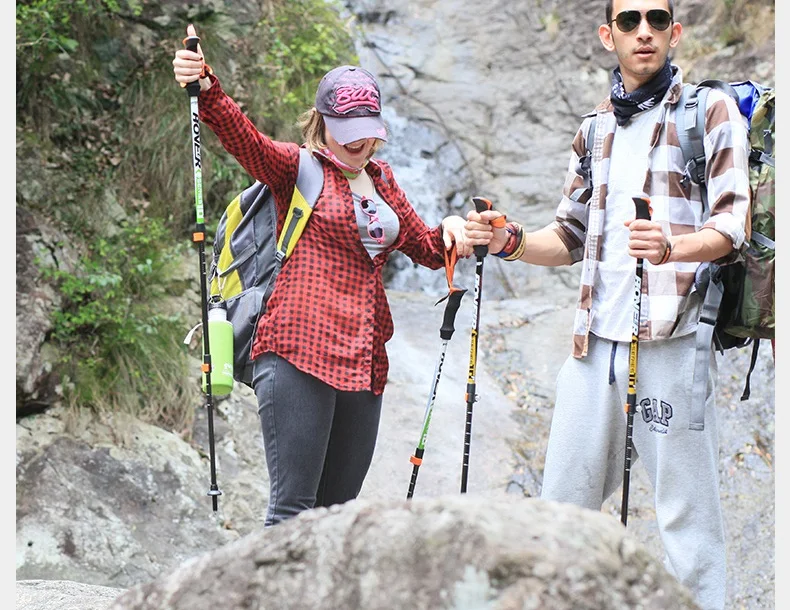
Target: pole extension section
642	212
481	205
199	237
446	332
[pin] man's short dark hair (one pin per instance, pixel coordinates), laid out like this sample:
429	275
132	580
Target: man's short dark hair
610	8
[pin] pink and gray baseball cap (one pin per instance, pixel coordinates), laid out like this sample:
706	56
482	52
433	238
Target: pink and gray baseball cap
349	99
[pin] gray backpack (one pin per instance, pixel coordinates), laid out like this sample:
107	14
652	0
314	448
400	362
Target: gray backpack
248	256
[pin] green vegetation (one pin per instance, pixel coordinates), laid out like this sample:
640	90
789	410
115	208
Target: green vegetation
103	154
303	42
117	352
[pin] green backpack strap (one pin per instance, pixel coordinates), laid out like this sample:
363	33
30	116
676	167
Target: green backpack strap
768	96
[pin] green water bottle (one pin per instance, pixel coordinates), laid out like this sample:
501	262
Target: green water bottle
220	335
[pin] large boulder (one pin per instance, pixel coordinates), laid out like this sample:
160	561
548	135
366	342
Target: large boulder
459	551
113	502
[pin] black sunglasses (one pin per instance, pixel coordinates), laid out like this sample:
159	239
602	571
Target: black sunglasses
657	18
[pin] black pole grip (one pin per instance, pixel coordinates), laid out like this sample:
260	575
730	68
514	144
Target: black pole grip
453	303
191	44
642	208
481	205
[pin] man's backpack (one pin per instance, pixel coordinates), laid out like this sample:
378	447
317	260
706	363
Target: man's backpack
248	256
738	307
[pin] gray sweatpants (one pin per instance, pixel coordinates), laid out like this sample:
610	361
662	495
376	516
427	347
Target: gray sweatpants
586	450
319	442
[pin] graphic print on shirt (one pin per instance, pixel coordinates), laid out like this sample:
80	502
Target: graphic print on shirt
656	413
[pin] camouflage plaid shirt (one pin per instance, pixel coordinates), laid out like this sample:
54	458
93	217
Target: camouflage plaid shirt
670	305
328	314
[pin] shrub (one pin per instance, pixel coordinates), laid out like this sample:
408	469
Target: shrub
118	354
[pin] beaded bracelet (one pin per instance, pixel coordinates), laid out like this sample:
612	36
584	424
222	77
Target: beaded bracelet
522	244
512	240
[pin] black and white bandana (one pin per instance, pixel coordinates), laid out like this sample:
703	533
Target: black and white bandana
645	97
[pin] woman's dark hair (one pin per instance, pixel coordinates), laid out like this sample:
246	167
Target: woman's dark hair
610	8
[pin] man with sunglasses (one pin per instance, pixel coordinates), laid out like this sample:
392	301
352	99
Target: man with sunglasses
634	152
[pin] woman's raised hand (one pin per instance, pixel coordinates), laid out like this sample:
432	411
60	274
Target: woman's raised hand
188	65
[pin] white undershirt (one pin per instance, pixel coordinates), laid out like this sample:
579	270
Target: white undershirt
613	296
361	186
388	219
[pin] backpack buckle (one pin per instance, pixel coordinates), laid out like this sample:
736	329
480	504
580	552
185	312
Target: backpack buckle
704	275
584	169
694	171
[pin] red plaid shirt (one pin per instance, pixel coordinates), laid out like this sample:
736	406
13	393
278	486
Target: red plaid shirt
328	315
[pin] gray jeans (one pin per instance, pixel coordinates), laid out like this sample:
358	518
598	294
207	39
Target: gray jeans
585	454
319	441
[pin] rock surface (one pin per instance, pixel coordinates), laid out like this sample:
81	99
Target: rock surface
448	552
63	595
158	516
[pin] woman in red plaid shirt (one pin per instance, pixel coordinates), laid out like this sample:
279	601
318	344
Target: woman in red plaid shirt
319	352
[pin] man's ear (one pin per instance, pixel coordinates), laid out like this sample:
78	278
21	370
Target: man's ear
605	34
674	39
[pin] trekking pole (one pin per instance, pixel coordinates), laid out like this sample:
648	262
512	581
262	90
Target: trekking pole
481	205
446	332
199	236
642	212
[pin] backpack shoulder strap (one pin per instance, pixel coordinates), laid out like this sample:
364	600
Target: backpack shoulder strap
309	184
708	282
310	179
763	115
584	166
721	85
383	172
690	126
